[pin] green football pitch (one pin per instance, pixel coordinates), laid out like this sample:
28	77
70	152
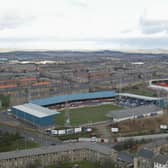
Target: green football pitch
85	115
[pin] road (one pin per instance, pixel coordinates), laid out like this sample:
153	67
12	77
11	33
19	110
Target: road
12	125
143	137
42	139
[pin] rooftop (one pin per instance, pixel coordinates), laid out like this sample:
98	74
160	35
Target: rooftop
146	154
147	98
74	97
35	110
58	148
156	143
8	86
137	111
125	157
162	159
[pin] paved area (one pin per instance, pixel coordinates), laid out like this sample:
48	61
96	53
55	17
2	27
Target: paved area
40	138
145	137
103	131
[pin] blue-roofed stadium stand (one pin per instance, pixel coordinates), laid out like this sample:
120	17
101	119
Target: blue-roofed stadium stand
74	97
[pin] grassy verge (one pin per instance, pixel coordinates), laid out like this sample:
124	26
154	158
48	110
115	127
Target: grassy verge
142	92
142	126
86	114
140	89
130	145
9	142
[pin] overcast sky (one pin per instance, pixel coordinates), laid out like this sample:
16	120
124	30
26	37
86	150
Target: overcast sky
84	24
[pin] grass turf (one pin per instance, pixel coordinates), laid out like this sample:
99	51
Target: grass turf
140	89
86	114
9	142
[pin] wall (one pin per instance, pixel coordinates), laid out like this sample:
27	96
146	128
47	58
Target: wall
140	162
53	158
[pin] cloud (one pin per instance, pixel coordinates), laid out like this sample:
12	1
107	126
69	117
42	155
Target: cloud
152	26
13	20
78	3
137	42
148	42
83	23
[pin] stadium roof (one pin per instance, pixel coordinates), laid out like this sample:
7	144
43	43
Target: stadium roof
74	97
147	98
137	111
35	110
156	80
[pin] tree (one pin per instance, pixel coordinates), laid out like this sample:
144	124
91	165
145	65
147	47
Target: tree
108	163
5	100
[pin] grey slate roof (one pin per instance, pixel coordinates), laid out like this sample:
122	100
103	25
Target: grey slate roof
104	149
147	154
137	111
156	143
125	157
162	159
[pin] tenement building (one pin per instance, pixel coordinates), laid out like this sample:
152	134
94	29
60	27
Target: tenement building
53	154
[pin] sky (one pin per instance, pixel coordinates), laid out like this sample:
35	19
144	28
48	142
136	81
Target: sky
84	24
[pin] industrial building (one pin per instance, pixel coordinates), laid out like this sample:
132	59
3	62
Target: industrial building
34	114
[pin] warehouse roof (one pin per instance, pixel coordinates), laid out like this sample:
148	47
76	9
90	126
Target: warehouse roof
147	98
74	97
58	148
35	110
137	111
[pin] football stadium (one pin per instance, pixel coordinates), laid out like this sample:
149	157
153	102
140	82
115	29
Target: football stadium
80	108
159	84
